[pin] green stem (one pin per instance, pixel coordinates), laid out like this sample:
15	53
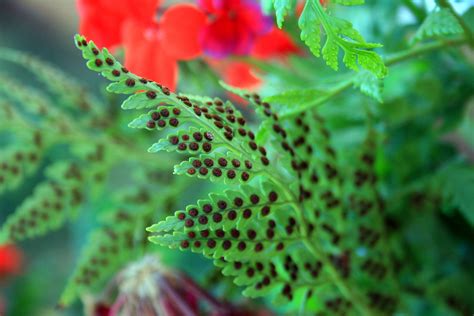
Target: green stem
389	61
423	49
332	93
418	12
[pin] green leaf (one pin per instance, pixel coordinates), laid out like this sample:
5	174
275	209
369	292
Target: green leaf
19	162
281	230
267	6
441	22
282	9
369	85
458	190
227	227
310	25
109	248
106	251
298	100
67	92
340	35
466	128
51	204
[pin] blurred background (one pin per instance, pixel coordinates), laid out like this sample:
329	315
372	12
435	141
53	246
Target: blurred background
45	29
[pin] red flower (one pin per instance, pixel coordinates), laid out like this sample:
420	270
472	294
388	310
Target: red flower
101	309
238	74
180	28
275	43
10	260
145	54
103	20
153	48
233	26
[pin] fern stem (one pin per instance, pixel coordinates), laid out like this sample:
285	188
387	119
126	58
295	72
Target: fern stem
332	93
389	61
302	309
423	49
418	12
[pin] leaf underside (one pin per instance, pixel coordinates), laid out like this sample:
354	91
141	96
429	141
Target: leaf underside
290	225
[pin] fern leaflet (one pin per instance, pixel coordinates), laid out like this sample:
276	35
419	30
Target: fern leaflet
441	22
339	35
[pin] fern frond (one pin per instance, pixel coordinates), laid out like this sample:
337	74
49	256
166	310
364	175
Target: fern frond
30	100
119	239
282	9
456	184
23	157
66	91
215	124
239	230
298	98
291	195
369	85
52	203
108	250
36	126
340	35
366	212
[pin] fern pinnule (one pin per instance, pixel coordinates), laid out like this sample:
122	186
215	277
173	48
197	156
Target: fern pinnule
52	203
118	240
67	92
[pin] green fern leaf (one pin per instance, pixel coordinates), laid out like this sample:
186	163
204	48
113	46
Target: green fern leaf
282	9
52	203
229	226
310	29
366	210
340	35
291	195
37	102
458	190
369	85
229	168
440	22
109	248
67	92
298	99
317	162
121	238
19	162
38	125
